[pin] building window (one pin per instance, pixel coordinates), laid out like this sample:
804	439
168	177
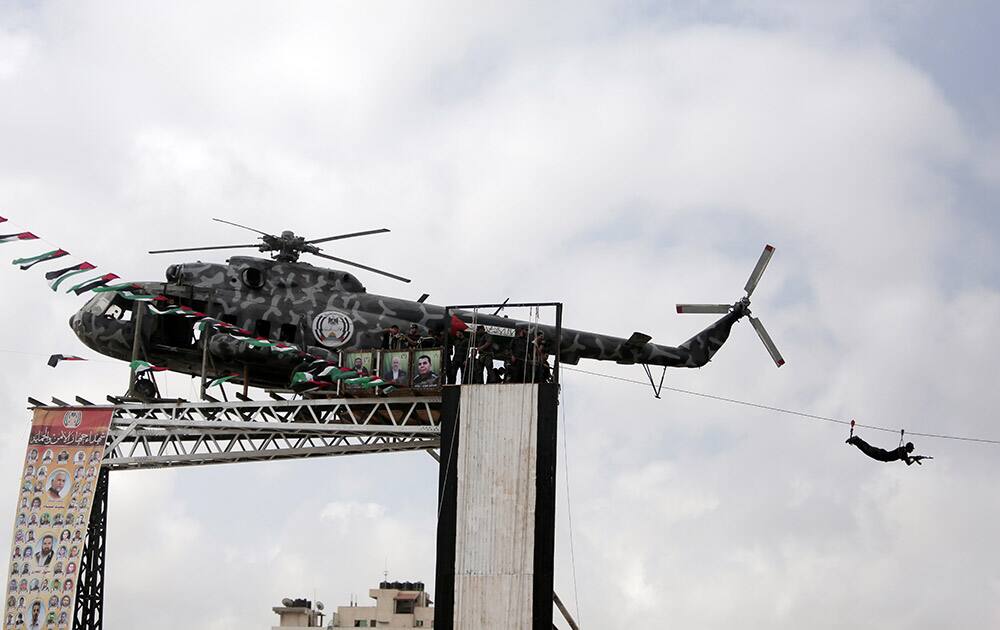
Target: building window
418	623
404	606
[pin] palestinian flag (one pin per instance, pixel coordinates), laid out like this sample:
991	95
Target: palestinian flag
301	377
56	358
28	263
457	324
3	220
56	278
170	310
224	379
375	382
121	286
345	374
301	383
141	367
93	283
138	297
23	236
360	380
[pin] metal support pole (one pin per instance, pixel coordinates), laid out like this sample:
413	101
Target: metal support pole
206	336
136	340
88	613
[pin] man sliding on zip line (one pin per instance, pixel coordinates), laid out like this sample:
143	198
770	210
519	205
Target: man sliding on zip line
902	453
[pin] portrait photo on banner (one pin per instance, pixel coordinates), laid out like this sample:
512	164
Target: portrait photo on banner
426	368
396	368
359	361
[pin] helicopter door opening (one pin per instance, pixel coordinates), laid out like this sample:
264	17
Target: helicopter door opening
177	332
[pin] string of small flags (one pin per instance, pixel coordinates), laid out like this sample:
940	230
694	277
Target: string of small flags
57	277
320	373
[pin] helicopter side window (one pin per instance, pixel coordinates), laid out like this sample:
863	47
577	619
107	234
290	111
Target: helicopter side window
253	278
263	328
287	333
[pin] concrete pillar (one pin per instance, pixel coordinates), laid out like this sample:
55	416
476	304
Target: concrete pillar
497	507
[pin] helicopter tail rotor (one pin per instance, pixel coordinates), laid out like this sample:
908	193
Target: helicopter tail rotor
744	306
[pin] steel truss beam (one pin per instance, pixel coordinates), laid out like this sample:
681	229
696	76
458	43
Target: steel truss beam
88	613
160	435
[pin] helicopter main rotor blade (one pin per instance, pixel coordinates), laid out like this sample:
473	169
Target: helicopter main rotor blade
704	308
365	267
758	271
766	338
241	226
351	235
200	249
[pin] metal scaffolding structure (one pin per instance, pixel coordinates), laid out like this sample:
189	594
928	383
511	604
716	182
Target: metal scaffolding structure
172	434
159	435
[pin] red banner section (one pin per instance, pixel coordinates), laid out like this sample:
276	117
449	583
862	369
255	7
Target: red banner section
61	467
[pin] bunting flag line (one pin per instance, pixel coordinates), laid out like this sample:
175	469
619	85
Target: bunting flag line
57	277
122	286
93	283
141	367
23	236
28	263
56	358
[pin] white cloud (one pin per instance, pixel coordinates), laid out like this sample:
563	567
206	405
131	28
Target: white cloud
618	162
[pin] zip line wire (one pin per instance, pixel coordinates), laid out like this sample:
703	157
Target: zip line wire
787	411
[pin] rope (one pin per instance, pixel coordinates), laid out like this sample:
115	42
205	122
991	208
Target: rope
569	510
791	412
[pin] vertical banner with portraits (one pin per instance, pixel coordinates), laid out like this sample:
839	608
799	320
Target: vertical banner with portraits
61	467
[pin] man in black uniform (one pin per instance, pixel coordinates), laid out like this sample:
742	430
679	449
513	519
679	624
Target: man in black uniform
484	356
391	339
459	353
898	454
412	338
518	355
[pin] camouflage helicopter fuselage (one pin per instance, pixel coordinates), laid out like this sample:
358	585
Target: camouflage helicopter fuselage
322	311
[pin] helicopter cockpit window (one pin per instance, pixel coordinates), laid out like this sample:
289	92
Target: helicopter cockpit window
99	303
120	308
253	278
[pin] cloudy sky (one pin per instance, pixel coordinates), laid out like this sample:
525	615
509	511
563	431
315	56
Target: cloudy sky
617	157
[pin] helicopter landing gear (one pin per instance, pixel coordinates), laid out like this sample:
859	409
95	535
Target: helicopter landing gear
145	388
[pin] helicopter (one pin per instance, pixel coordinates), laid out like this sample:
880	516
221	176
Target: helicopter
325	311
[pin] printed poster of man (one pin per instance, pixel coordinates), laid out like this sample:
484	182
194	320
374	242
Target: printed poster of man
53	509
395	368
363	363
426	369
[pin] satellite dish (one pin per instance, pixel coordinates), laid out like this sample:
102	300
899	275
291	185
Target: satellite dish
287	603
319	605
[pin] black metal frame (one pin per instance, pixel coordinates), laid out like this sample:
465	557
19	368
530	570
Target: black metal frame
446	360
88	613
